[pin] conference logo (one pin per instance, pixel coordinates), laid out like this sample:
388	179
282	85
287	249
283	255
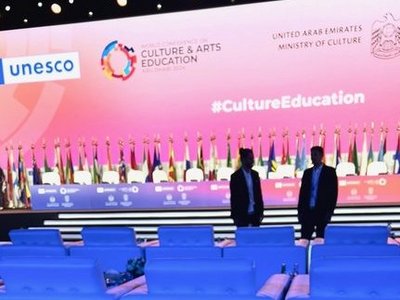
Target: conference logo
385	42
118	61
37	68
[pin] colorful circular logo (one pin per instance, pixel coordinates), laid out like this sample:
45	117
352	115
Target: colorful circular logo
113	52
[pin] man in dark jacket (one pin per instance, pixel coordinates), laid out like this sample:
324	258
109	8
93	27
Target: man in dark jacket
247	206
318	196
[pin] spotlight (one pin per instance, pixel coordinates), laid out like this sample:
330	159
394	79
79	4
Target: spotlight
7	8
25	20
39	4
90	14
71	1
159	6
122	3
56	8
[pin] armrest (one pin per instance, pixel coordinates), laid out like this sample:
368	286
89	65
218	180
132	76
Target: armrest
300	287
127	286
275	286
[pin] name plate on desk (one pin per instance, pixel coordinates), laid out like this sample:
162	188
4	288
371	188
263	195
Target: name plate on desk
355	190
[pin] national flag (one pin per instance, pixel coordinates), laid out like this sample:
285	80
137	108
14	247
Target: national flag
382	145
213	160
303	152
11	179
134	165
200	157
396	166
96	170
336	155
350	152
171	161
69	168
228	148
260	160
59	161
36	174
149	165
355	154
364	154
272	163
46	166
284	154
122	164
109	159
297	160
23	184
187	162
156	154
241	138
288	158
322	137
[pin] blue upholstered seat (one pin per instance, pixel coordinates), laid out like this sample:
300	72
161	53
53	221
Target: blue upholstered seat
52	278
268	260
335	234
183	252
36	237
200	276
355	278
107	236
263	236
186	235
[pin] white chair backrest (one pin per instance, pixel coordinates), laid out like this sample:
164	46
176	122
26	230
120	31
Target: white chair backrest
111	177
376	168
159	176
262	171
194	174
224	173
52	178
136	176
345	168
286	171
82	177
275	175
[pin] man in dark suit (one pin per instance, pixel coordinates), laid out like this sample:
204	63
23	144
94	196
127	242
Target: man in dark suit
247	206
318	196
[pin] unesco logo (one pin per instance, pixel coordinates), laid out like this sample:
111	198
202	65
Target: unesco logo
118	61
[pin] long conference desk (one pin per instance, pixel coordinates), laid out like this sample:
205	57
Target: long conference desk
353	191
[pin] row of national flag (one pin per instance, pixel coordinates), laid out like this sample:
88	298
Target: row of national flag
18	190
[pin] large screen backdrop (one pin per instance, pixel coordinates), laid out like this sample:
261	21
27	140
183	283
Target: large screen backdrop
287	65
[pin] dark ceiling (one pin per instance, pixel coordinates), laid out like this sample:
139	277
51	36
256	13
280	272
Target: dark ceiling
33	13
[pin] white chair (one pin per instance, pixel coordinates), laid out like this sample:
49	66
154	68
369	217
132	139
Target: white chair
52	178
224	173
194	175
376	168
345	168
286	171
159	176
262	172
82	177
111	177
136	176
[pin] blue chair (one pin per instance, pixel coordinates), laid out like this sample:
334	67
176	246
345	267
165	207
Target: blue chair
264	236
326	251
109	258
335	234
182	252
269	259
52	278
355	278
107	236
200	277
186	236
36	237
10	250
